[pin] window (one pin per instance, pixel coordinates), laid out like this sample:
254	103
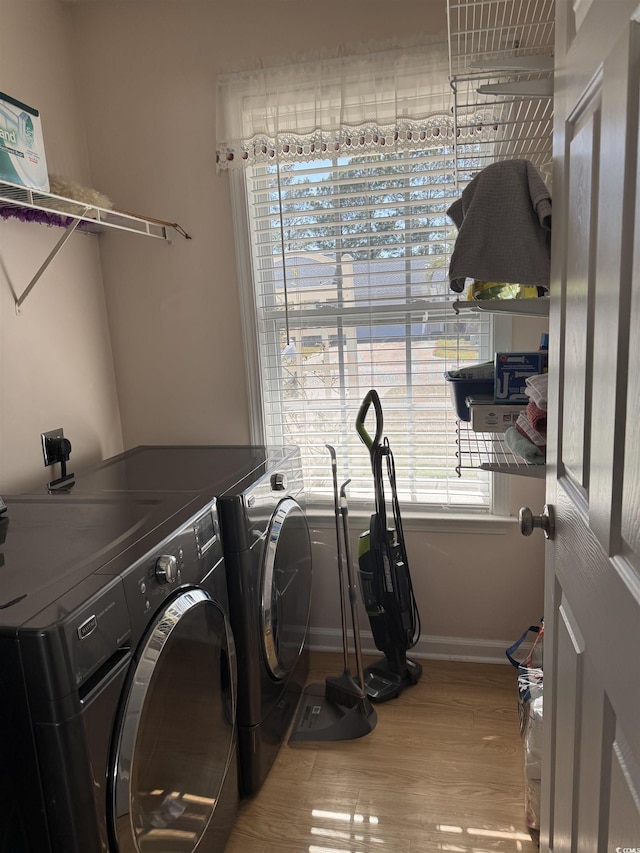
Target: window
342	171
349	261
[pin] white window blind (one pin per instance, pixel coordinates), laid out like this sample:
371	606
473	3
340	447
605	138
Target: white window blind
349	261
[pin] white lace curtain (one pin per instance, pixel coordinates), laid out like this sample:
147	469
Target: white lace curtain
398	98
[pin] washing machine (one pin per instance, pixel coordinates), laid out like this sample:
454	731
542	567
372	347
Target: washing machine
267	550
117	675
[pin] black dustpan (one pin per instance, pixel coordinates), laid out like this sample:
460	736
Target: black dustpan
320	719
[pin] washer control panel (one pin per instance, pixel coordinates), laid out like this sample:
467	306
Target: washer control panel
185	558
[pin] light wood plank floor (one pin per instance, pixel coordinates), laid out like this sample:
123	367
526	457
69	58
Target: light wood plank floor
442	771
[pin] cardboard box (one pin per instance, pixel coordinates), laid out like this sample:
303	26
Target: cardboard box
22	159
512	370
493	417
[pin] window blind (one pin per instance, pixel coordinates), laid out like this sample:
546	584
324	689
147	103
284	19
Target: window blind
349	260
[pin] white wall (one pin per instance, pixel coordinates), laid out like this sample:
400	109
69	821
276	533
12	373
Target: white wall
146	72
55	358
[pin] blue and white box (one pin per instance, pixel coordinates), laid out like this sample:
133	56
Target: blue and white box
22	159
512	371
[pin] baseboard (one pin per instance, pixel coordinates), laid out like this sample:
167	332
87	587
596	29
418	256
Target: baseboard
437	648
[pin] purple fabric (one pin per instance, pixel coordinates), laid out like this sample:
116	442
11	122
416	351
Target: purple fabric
25	214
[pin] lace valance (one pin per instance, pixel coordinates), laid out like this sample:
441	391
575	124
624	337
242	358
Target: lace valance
399	98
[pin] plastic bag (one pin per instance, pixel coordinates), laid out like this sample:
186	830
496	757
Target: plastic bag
530	702
530	675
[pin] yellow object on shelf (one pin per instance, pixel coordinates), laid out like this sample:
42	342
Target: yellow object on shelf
501	290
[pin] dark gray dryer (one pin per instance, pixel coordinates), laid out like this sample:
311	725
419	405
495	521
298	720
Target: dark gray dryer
267	549
117	672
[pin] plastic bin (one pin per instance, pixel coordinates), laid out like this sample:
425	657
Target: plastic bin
463	388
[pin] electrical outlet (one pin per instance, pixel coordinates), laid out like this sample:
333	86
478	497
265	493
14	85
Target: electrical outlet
49	439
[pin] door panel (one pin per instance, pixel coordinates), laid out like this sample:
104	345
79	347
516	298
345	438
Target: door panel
583	147
568	690
591	754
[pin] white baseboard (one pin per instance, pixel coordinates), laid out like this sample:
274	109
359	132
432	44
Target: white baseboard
437	648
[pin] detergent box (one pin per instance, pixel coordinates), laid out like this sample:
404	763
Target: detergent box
512	370
489	416
22	159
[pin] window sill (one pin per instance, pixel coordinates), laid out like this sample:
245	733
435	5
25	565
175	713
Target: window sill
419	522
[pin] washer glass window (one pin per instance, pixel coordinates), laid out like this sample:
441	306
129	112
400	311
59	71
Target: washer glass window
286	587
177	733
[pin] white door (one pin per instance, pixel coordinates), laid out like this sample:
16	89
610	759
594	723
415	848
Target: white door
591	763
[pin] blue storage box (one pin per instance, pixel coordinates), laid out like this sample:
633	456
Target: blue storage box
463	388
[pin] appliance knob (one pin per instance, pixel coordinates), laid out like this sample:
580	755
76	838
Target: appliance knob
278	482
166	568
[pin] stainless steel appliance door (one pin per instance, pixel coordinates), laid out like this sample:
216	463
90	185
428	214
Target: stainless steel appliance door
286	587
176	736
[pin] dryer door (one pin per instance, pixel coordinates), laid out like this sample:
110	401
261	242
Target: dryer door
176	737
286	588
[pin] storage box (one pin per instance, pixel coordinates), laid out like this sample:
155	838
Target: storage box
512	370
488	416
463	388
22	159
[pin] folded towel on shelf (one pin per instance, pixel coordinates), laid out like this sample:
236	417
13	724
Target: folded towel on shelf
536	389
537	417
523	448
526	429
504	227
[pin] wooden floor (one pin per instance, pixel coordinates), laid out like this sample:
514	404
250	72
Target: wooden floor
441	771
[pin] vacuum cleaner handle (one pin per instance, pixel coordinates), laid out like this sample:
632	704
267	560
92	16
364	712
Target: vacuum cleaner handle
371	443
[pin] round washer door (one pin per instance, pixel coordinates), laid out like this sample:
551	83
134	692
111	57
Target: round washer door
177	732
286	588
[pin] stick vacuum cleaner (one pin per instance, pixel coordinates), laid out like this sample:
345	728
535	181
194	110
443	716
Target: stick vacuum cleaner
385	581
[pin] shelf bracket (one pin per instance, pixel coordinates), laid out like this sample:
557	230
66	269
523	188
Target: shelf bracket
52	254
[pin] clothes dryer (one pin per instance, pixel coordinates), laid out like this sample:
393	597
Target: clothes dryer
118	676
261	505
267	551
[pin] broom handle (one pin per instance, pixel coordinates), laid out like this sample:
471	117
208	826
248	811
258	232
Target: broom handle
343	609
353	592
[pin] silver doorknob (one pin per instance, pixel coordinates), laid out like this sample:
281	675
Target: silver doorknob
546	522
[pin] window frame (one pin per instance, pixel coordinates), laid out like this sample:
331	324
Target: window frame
494	519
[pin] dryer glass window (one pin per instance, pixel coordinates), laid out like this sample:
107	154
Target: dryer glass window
286	589
176	739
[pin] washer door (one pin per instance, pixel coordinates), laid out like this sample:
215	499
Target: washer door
286	588
177	732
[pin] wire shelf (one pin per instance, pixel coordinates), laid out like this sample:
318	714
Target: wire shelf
525	307
60	211
30	205
490	452
503	45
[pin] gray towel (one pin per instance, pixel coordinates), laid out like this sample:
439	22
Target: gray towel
504	227
523	448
